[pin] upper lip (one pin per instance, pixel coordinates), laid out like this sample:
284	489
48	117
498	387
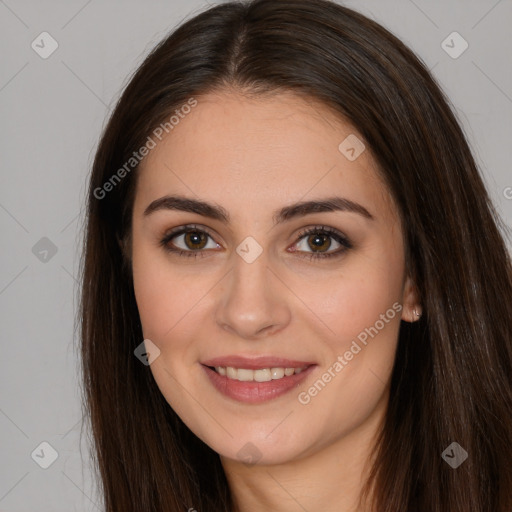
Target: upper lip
255	363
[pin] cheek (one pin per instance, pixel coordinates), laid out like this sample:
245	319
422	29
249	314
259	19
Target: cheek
169	305
155	302
165	298
359	312
354	299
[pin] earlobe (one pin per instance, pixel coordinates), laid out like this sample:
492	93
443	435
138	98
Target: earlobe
412	309
417	312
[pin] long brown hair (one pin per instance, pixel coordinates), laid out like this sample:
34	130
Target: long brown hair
451	378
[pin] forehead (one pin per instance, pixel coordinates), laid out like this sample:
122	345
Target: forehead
274	148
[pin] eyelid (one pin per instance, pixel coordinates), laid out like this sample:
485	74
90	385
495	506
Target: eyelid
324	229
178	230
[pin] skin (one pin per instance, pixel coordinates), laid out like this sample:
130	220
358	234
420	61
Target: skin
253	156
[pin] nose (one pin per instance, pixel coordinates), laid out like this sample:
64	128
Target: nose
252	301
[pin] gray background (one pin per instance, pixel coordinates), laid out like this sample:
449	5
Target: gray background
52	113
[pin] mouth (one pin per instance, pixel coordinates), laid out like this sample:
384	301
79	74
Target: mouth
256	380
258	375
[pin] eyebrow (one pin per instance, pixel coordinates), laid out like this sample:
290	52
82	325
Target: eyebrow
216	212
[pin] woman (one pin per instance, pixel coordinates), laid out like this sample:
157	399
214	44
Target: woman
295	295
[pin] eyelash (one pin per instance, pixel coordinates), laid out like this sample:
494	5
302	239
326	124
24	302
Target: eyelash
324	230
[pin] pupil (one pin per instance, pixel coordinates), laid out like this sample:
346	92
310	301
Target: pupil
320	241
195	238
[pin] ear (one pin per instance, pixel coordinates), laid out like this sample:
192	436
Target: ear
412	309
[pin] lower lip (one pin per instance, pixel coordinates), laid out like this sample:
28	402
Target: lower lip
256	392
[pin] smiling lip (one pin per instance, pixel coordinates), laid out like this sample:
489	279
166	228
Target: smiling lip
253	392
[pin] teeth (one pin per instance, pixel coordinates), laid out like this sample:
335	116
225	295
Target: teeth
244	375
277	373
261	375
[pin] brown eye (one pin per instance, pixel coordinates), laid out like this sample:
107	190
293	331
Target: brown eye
319	241
195	240
188	241
322	242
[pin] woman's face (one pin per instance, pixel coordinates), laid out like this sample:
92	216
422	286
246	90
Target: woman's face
265	281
